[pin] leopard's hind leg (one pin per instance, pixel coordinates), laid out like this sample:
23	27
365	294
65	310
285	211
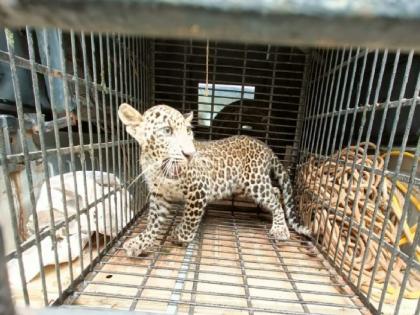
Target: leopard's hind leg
264	194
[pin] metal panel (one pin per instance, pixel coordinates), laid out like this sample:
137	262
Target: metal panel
288	22
361	112
252	89
49	153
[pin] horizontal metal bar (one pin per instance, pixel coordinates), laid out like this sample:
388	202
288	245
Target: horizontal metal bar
224	273
248	75
338	67
164	91
261	287
258	101
195	44
240	296
35	155
272	146
320	23
169	301
227	73
138	274
245	115
244	248
260	268
221	89
57	73
262	132
400	176
230	66
368	108
225	66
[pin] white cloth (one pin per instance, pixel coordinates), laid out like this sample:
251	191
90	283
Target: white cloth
108	212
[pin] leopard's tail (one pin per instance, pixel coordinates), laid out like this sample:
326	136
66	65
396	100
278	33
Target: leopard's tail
292	215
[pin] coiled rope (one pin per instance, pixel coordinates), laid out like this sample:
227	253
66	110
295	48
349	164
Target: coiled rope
321	180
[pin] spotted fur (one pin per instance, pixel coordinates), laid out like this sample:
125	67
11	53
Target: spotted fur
179	169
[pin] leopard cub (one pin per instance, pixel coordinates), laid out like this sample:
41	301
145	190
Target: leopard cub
178	168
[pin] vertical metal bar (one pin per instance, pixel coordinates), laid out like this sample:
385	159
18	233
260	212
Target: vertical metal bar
197	262
380	133
126	162
181	278
316	130
151	61
318	108
389	147
332	110
134	204
143	91
408	194
150	268
142	60
288	274
60	169
241	100
367	138
80	133
362	164
307	108
98	133
321	62
300	118
40	125
120	127
70	139
13	214
328	108
213	90
114	125
90	131
311	105
242	266
131	80
184	76
353	122
105	118
334	105
6	302
417	311
411	260
131	173
301	126
343	127
270	98
58	155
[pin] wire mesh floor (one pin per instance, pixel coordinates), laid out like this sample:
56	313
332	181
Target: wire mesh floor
232	267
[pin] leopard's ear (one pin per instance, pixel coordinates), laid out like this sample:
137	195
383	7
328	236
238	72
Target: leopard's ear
189	117
129	115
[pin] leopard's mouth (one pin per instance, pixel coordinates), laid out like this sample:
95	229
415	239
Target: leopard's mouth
171	168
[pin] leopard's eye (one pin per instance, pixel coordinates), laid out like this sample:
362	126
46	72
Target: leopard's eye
189	130
167	131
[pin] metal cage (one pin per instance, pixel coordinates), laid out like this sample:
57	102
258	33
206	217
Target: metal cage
345	121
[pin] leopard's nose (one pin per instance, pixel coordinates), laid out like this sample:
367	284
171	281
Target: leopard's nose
188	154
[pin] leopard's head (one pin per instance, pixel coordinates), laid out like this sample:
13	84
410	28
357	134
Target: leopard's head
164	134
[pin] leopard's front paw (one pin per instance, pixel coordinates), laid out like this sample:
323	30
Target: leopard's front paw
280	232
181	236
135	247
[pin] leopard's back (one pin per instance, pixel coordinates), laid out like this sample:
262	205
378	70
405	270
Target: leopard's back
232	163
